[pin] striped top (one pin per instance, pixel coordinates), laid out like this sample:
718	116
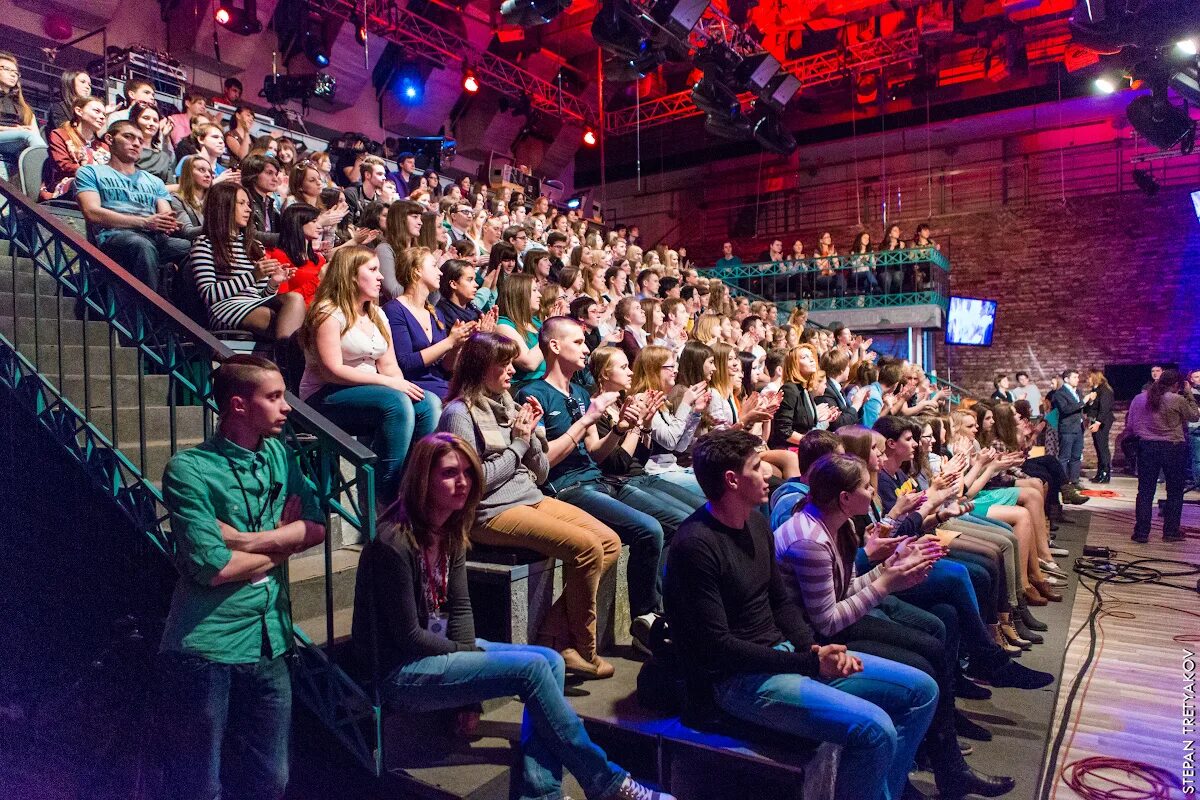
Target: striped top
832	596
229	296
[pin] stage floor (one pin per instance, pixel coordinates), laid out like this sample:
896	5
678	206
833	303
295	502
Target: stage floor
1130	704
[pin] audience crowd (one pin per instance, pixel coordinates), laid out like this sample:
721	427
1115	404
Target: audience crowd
822	545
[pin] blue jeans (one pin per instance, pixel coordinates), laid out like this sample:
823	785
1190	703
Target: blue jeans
12	143
645	511
1070	453
1194	442
552	736
878	716
387	415
950	582
1170	460
203	702
144	253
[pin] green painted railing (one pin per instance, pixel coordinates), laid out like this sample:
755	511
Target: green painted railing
914	276
121	379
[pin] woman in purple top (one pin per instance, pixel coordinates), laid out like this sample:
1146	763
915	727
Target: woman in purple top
425	348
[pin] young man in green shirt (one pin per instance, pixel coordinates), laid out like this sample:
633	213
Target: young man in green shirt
239	507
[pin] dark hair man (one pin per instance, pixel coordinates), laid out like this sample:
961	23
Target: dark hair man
374	175
232	95
1001	384
1070	425
128	209
260	179
747	650
647	285
239	507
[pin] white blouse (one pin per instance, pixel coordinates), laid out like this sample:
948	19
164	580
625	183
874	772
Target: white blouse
361	349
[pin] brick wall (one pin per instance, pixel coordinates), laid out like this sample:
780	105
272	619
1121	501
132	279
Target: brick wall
1106	280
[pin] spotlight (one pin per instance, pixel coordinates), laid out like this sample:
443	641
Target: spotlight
530	13
771	133
618	29
1105	85
410	84
242	21
470	81
574	202
589	137
1163	123
1188	47
1145	181
723	110
314	47
360	28
278	89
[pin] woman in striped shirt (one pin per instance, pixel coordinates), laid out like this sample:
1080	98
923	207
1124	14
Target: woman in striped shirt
816	551
239	286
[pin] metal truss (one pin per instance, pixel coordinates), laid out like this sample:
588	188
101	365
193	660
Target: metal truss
428	40
814	70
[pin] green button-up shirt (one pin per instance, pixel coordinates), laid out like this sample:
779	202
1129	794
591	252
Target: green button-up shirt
220	480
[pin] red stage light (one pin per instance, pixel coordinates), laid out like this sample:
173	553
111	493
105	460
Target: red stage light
223	15
589	137
470	82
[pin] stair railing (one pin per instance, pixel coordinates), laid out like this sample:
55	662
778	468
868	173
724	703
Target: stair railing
122	380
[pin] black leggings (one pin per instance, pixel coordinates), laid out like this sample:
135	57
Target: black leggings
1048	469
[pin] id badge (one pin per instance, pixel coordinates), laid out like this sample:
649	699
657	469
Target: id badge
438	625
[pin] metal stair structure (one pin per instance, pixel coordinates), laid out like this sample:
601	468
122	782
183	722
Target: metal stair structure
120	379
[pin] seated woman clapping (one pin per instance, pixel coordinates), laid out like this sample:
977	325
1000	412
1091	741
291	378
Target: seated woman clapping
513	512
350	372
411	603
237	281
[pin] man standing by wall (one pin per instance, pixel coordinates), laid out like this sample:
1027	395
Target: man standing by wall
1070	424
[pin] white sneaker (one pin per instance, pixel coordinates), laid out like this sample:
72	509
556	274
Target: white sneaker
632	790
1053	581
1059	552
640	629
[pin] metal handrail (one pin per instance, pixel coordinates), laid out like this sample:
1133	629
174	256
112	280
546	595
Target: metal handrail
138	322
836	263
957	393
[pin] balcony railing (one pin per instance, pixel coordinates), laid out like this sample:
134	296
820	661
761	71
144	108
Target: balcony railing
909	277
120	378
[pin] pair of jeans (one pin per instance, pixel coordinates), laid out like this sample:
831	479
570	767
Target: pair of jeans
878	716
13	142
204	703
145	253
1070	453
1171	460
1194	443
645	511
552	735
388	416
953	583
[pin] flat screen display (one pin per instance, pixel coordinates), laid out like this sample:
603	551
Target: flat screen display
1196	203
970	321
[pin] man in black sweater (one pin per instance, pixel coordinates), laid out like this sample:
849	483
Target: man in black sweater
1069	405
749	652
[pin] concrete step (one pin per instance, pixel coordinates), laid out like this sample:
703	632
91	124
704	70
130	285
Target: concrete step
21	305
26	279
71	329
125	359
307	577
100	384
22	265
158	452
189	423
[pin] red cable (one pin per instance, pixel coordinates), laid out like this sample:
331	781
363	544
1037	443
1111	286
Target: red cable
1144	781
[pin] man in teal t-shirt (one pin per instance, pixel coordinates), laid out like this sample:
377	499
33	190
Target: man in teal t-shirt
128	210
239	507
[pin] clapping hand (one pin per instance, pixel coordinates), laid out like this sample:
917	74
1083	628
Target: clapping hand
879	545
906	504
758	407
488	321
826	413
330	217
599	406
526	419
906	570
653	401
460	330
270	270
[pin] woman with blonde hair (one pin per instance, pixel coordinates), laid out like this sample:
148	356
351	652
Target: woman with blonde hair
727	407
798	412
195	179
413	619
718	299
518	298
671	431
351	374
23	132
403	230
513	512
707	329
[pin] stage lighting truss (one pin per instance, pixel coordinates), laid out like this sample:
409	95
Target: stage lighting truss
810	71
530	13
426	39
279	88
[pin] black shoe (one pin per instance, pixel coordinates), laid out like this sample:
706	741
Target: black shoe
968	689
967	729
1139	538
958	785
1018	676
1173	537
1025	631
1030	621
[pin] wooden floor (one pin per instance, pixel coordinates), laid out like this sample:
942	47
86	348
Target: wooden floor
1130	704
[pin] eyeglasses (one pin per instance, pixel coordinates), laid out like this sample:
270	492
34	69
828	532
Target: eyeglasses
13	70
575	409
672	367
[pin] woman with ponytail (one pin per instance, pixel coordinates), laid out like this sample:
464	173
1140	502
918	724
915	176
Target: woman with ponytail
425	347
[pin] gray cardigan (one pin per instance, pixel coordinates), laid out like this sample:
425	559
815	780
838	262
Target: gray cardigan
510	476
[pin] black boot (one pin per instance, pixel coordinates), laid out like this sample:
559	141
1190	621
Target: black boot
1030	621
1025	631
955	778
968	689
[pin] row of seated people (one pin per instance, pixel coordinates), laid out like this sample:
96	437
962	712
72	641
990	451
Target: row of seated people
827	273
851	612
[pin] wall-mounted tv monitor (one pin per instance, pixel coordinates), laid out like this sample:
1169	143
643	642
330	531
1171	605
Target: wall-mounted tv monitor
1196	203
970	321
